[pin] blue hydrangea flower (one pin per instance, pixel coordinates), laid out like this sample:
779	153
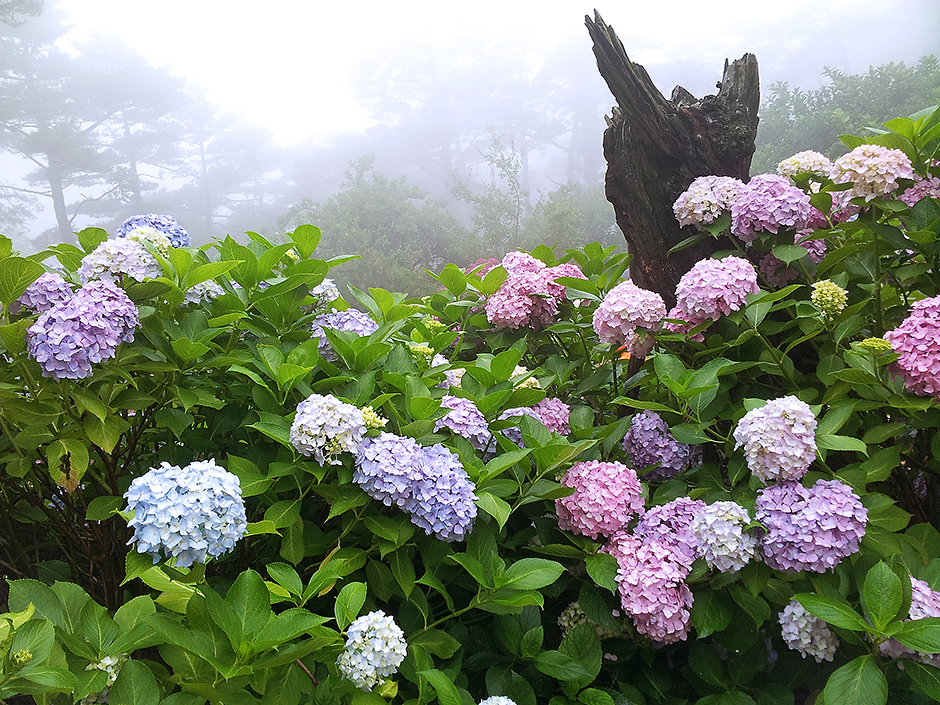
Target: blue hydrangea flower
442	499
324	427
464	419
385	468
375	648
115	259
648	442
44	293
186	513
350	320
67	339
165	224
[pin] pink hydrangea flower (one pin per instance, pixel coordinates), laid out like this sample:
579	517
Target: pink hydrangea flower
815	246
671	524
714	287
530	296
775	271
872	170
924	187
806	633
706	198
553	413
779	439
917	341
767	203
606	497
625	308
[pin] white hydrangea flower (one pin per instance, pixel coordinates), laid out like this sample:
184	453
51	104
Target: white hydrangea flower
806	633
375	648
324	427
498	700
807	162
144	234
203	292
779	439
720	536
113	259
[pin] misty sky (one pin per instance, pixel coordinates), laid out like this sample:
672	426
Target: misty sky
287	64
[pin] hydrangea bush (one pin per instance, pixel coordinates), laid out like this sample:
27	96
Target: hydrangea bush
739	494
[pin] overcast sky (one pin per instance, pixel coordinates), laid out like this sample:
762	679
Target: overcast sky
286	64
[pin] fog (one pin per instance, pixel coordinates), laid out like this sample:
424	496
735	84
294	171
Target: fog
236	117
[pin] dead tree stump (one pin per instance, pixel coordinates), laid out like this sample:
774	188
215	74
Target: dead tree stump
655	147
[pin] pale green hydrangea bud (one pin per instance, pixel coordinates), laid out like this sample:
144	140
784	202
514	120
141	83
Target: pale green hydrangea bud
829	297
878	346
372	419
22	657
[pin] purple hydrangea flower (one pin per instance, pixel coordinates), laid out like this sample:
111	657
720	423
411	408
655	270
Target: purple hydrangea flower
114	259
917	342
924	603
872	170
186	513
606	497
706	199
671	524
351	321
714	287
385	468
324	427
625	308
44	293
776	271
648	442
809	529
815	246
165	224
767	203
806	633
513	433
924	187
442	499
464	419
67	339
553	413
779	439
720	535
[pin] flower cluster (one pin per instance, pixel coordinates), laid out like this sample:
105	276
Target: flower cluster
706	199
711	288
67	339
324	427
671	524
145	235
625	308
651	582
767	203
111	665
815	247
165	224
649	444
375	648
924	187
497	700
872	170
876	346
513	433
44	293
529	296
924	603
808	162
606	497
809	529
829	297
807	633
372	419
203	292
114	259
464	419
186	513
776	271
779	439
384	468
325	293
529	381
553	413
917	342
720	534
351	321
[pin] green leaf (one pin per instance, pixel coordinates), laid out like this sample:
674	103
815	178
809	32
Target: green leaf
532	573
348	603
927	678
560	666
711	612
832	442
497	508
250	600
36	636
438	643
832	611
920	634
102	508
17	273
444	687
135	685
283	513
883	595
859	682
602	567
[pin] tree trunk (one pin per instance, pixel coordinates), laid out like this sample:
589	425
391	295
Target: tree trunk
655	147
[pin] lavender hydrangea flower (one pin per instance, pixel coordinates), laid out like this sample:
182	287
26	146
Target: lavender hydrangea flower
554	414
186	513
324	427
872	170
385	468
44	293
203	292
807	162
67	339
767	203
706	199
924	603
114	259
917	342
714	287
464	419
648	442
779	439
625	308
442	499
351	321
721	538
816	247
806	633
809	529
606	497
514	433
165	224
375	648
325	292
671	524
776	271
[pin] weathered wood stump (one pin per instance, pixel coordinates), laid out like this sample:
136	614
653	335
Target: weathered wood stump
655	147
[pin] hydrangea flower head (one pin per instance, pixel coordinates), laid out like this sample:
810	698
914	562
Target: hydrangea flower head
648	442
186	513
779	439
706	199
878	346
714	287
44	293
375	648
766	204
497	700
776	271
147	235
917	342
807	162
809	529
625	308
324	427
372	419
165	224
720	536
606	497
829	297
924	603
203	292
67	339
522	262
351	321
806	633
554	414
114	259
525	300
816	247
671	524
385	468
924	187
442	501
514	433
872	170
464	419
486	264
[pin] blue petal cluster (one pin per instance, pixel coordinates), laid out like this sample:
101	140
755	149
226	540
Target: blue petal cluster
82	330
186	513
165	224
464	419
649	443
350	320
384	468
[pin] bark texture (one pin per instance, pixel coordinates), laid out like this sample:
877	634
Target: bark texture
655	147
